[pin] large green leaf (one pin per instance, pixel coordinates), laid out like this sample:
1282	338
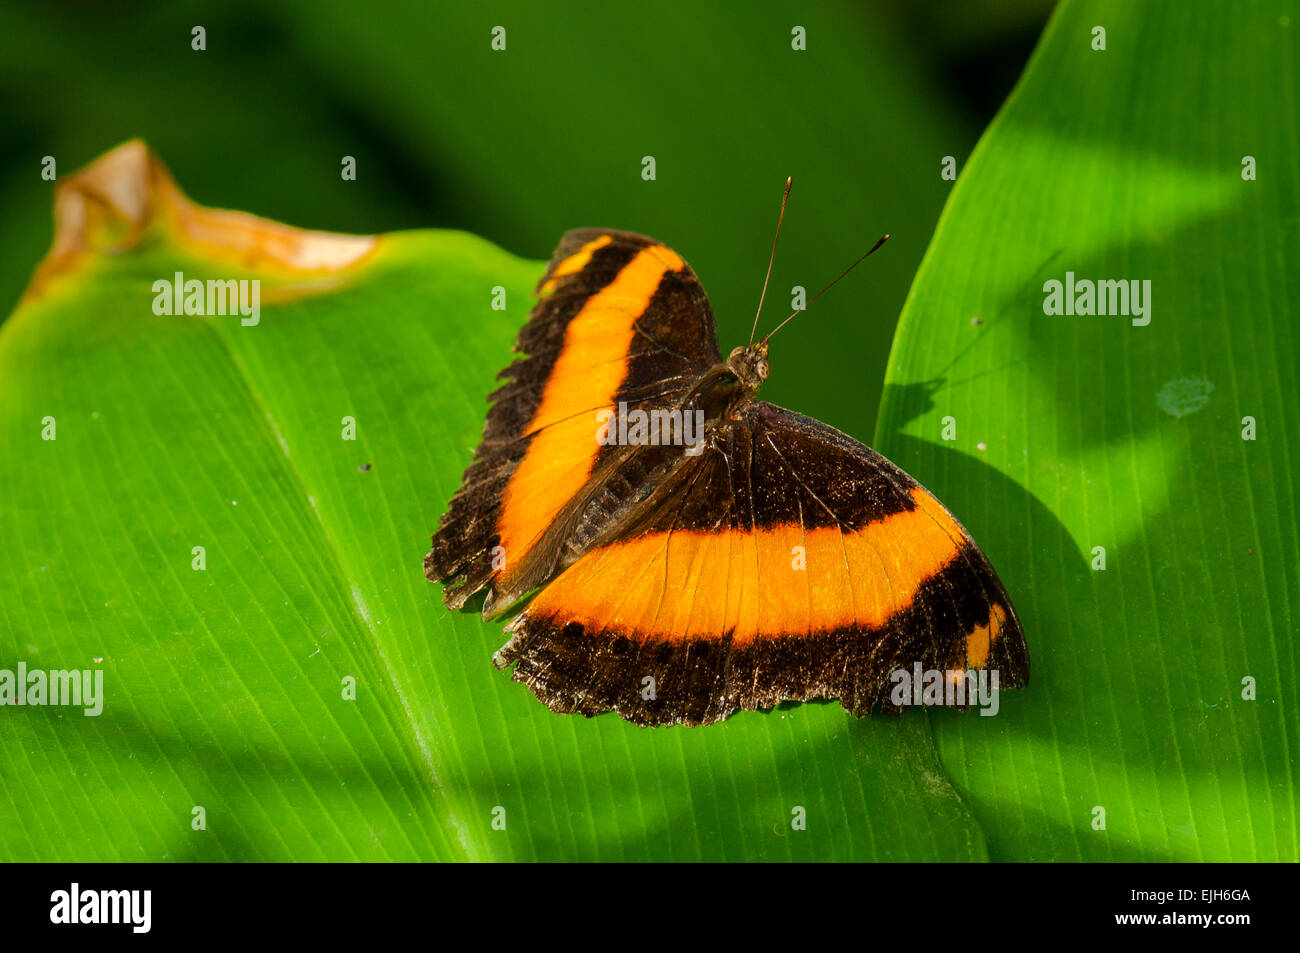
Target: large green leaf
224	684
1082	432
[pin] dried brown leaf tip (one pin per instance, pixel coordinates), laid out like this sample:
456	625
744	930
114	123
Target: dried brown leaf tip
127	193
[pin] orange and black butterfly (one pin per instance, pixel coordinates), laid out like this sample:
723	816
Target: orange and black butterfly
769	558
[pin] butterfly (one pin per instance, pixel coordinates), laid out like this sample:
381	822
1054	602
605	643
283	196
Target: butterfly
680	573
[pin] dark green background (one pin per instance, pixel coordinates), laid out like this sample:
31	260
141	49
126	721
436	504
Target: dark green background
522	145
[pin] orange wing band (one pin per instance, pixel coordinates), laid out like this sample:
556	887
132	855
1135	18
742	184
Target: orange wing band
585	380
777	581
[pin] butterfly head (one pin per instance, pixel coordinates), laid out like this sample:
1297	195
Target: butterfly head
749	364
728	388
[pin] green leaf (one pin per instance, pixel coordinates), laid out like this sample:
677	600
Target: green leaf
1079	432
224	684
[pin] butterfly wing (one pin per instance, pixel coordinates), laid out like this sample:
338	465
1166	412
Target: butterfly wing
787	561
620	318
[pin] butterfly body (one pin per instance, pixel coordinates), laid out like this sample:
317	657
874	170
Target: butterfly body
773	558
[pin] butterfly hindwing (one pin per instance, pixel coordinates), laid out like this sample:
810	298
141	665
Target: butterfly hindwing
785	562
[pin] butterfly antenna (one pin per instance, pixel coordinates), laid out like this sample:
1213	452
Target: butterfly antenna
766	337
768	276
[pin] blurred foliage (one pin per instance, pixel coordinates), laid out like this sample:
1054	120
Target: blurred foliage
522	145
